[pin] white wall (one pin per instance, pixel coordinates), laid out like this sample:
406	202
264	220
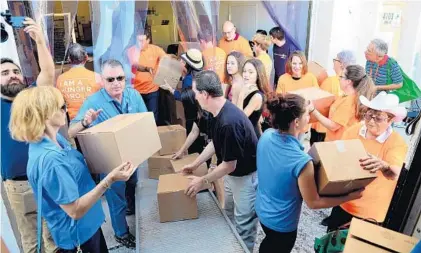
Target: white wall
8	48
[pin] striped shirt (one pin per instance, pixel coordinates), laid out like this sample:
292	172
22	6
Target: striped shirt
379	72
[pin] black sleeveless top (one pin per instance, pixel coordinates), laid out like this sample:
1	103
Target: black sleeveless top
255	115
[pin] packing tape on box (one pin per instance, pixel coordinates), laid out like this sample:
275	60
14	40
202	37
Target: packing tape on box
340	146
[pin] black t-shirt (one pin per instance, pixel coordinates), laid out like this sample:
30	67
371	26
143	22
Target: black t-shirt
204	123
234	138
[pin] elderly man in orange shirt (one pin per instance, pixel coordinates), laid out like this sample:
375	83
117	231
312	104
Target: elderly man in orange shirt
232	41
78	83
144	58
213	56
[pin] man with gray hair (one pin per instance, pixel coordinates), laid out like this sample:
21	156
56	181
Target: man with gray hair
384	70
234	142
78	83
114	99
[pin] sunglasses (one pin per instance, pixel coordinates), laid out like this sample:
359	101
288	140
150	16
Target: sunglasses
63	108
376	118
118	78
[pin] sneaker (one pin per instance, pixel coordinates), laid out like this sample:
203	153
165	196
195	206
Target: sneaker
128	240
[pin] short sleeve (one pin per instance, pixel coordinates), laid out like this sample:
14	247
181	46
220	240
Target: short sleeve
396	154
160	52
232	148
300	165
396	74
280	85
343	114
60	185
82	111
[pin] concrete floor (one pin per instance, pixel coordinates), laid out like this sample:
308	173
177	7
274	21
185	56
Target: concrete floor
308	228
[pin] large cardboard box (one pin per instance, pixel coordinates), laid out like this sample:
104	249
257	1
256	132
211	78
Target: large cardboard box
317	70
173	204
367	237
123	138
172	138
321	99
159	165
169	69
339	169
180	163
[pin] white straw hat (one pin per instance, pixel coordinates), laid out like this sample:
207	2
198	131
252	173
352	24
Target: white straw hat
193	57
386	103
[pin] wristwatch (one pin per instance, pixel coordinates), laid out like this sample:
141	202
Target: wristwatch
206	180
83	124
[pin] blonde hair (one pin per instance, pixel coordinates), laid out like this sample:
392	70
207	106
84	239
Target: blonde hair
30	109
262	40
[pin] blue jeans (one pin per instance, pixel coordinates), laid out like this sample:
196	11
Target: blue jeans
116	200
151	101
240	195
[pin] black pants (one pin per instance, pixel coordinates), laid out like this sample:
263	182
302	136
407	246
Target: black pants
96	244
131	191
151	102
316	137
277	242
339	217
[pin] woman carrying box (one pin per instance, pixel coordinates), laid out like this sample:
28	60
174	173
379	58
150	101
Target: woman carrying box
346	110
386	153
281	161
58	174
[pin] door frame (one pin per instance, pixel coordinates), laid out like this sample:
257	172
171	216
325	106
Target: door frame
238	4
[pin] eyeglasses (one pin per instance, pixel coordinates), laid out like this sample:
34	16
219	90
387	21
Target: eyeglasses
118	78
378	119
63	108
334	59
343	77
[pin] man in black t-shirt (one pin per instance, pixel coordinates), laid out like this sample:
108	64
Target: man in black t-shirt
234	141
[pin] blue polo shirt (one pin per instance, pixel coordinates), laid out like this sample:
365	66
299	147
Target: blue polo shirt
280	160
379	73
132	102
65	178
14	154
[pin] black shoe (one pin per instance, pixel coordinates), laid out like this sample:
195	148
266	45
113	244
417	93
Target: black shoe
128	240
130	211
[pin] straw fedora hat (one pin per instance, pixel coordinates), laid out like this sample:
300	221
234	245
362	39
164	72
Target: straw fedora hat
193	58
386	103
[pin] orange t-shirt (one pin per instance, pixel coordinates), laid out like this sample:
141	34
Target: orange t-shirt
148	57
240	45
215	60
267	62
376	197
331	85
343	112
286	83
76	85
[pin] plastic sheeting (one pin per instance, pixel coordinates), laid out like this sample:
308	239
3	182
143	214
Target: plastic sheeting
115	26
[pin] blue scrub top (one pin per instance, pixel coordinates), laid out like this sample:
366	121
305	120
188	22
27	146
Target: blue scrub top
65	178
132	102
280	160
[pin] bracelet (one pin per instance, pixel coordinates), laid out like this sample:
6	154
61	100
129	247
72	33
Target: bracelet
206	180
312	110
83	124
107	185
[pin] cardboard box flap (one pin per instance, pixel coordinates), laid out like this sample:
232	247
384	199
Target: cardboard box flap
172	183
381	237
343	169
180	163
116	123
169	128
313	93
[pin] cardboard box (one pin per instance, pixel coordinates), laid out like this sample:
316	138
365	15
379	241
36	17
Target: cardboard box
169	69
180	163
340	171
123	138
172	138
367	237
159	165
173	204
317	70
321	99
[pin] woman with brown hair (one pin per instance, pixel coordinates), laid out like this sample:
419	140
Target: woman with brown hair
346	110
253	92
297	75
261	43
234	65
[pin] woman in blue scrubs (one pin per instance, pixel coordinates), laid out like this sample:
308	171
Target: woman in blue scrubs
58	174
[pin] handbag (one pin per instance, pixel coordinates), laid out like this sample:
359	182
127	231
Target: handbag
409	90
332	242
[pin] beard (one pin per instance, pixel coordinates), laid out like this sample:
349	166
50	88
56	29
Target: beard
12	89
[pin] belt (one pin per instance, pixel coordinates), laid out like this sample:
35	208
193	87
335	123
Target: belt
20	178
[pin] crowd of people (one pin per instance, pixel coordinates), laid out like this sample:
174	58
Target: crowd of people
228	95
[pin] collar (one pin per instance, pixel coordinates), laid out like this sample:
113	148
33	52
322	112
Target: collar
384	60
108	98
78	65
381	138
237	35
290	139
48	144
